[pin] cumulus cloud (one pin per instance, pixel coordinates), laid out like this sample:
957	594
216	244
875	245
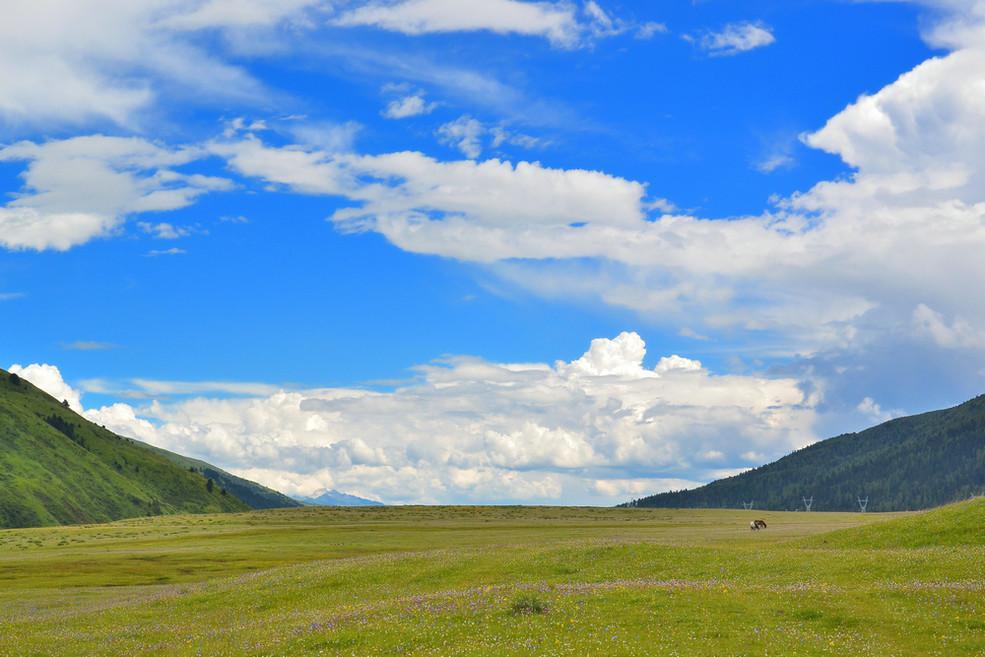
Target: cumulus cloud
874	412
49	379
80	188
917	139
735	38
598	428
407	106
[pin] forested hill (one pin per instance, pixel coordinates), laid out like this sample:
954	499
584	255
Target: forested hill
56	467
912	462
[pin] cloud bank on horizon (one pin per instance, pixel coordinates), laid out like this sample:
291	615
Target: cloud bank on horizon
822	296
471	430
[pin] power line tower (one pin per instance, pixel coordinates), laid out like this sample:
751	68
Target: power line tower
747	505
808	502
863	503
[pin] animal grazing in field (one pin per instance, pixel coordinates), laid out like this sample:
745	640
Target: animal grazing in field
756	525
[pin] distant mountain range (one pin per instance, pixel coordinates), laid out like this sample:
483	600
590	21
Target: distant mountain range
912	462
56	467
335	498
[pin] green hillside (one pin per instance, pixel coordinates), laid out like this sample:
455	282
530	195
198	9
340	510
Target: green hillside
56	467
250	492
962	523
908	463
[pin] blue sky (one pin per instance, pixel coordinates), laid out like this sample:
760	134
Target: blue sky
311	241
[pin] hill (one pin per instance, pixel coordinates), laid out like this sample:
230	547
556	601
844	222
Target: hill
962	523
56	467
253	494
914	462
335	498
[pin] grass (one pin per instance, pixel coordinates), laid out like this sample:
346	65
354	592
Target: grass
954	524
489	581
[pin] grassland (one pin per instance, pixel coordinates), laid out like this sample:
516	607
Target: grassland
494	581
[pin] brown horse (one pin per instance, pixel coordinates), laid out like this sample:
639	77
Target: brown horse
757	524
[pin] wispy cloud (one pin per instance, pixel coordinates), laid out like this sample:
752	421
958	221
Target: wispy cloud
774	161
142	388
11	296
464	133
164	230
89	345
734	38
154	253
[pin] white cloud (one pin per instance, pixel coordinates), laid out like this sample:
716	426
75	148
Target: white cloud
27	228
649	29
485	200
873	412
147	388
501	135
886	251
103	61
49	379
212	14
164	230
154	253
564	24
824	268
735	38
83	187
919	139
465	134
89	345
332	137
407	106
599	428
629	489
774	161
556	22
958	333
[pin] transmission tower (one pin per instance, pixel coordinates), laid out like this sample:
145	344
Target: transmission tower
862	503
808	502
747	505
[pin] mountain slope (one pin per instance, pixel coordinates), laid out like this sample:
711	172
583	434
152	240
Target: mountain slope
908	463
56	467
250	492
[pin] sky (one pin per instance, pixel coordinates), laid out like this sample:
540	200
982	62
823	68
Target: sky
493	251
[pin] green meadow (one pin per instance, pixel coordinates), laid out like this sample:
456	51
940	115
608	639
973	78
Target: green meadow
499	581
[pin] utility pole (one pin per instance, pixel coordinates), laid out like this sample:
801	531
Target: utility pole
808	502
747	505
862	503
